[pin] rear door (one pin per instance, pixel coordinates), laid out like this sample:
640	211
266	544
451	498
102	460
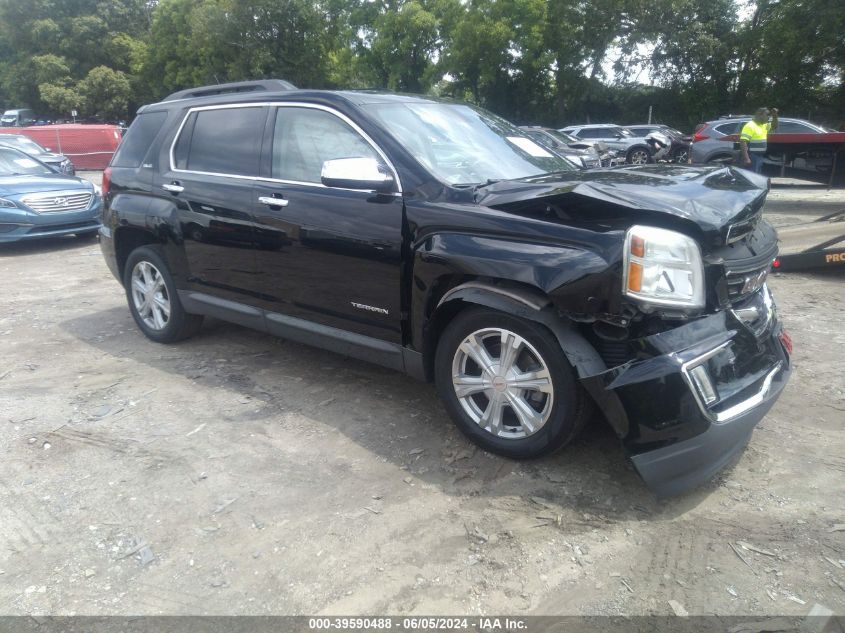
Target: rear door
328	255
212	168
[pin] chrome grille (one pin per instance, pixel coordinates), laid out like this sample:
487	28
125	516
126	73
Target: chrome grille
57	201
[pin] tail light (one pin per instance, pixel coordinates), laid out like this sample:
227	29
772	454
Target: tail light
698	136
106	182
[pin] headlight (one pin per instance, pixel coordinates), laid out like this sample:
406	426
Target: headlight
7	204
97	189
663	268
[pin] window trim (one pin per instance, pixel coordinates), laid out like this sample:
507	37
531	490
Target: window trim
279	104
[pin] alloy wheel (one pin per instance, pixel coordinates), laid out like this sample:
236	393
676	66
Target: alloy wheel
150	296
639	157
502	383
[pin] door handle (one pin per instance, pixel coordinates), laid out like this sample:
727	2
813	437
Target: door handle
273	202
173	188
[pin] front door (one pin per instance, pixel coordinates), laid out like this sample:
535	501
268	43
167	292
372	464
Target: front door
215	160
327	255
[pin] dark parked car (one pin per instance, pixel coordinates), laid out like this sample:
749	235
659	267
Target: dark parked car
59	162
435	238
36	202
679	152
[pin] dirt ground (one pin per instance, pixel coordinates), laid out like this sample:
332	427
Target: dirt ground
237	473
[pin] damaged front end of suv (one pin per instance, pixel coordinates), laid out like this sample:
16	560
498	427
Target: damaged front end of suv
659	301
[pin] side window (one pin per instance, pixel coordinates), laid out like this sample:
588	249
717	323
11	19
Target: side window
791	127
222	141
304	138
587	133
730	128
138	138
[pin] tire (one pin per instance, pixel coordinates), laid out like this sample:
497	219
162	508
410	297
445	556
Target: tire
638	155
559	412
146	266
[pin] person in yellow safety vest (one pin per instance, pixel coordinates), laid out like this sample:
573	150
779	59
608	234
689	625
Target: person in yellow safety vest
752	139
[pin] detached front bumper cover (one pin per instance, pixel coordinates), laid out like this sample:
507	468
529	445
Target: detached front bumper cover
680	467
687	408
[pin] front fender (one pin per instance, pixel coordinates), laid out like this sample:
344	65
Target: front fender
573	277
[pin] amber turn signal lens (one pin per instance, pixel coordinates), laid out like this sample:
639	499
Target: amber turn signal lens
635	277
637	246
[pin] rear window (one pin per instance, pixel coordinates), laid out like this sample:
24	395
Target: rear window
222	141
138	139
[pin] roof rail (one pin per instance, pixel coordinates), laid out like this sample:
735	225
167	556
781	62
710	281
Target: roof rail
269	85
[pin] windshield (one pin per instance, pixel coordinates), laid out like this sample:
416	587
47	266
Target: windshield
22	143
15	163
463	145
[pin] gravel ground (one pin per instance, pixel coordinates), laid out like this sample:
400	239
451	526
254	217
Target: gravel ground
236	473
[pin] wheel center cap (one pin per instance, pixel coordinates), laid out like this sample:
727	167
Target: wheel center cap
499	383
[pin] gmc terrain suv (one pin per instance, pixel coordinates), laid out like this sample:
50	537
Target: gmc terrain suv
435	238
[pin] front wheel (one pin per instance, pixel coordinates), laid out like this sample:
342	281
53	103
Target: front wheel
153	300
507	385
639	155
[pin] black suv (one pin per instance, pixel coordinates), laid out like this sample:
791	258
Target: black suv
435	238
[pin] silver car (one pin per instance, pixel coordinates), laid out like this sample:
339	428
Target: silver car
584	155
714	142
634	148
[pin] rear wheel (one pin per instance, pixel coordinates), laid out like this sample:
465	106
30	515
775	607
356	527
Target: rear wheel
507	384
153	300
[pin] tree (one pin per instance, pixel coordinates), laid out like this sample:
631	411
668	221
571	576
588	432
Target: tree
106	93
60	99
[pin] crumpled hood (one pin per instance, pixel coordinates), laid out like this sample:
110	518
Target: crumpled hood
710	197
18	185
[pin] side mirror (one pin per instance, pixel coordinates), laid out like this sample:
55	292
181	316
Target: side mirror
620	136
364	174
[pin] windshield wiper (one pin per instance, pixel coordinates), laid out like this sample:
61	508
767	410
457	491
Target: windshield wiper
490	181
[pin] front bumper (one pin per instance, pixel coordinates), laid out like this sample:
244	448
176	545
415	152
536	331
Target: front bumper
17	225
686	407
